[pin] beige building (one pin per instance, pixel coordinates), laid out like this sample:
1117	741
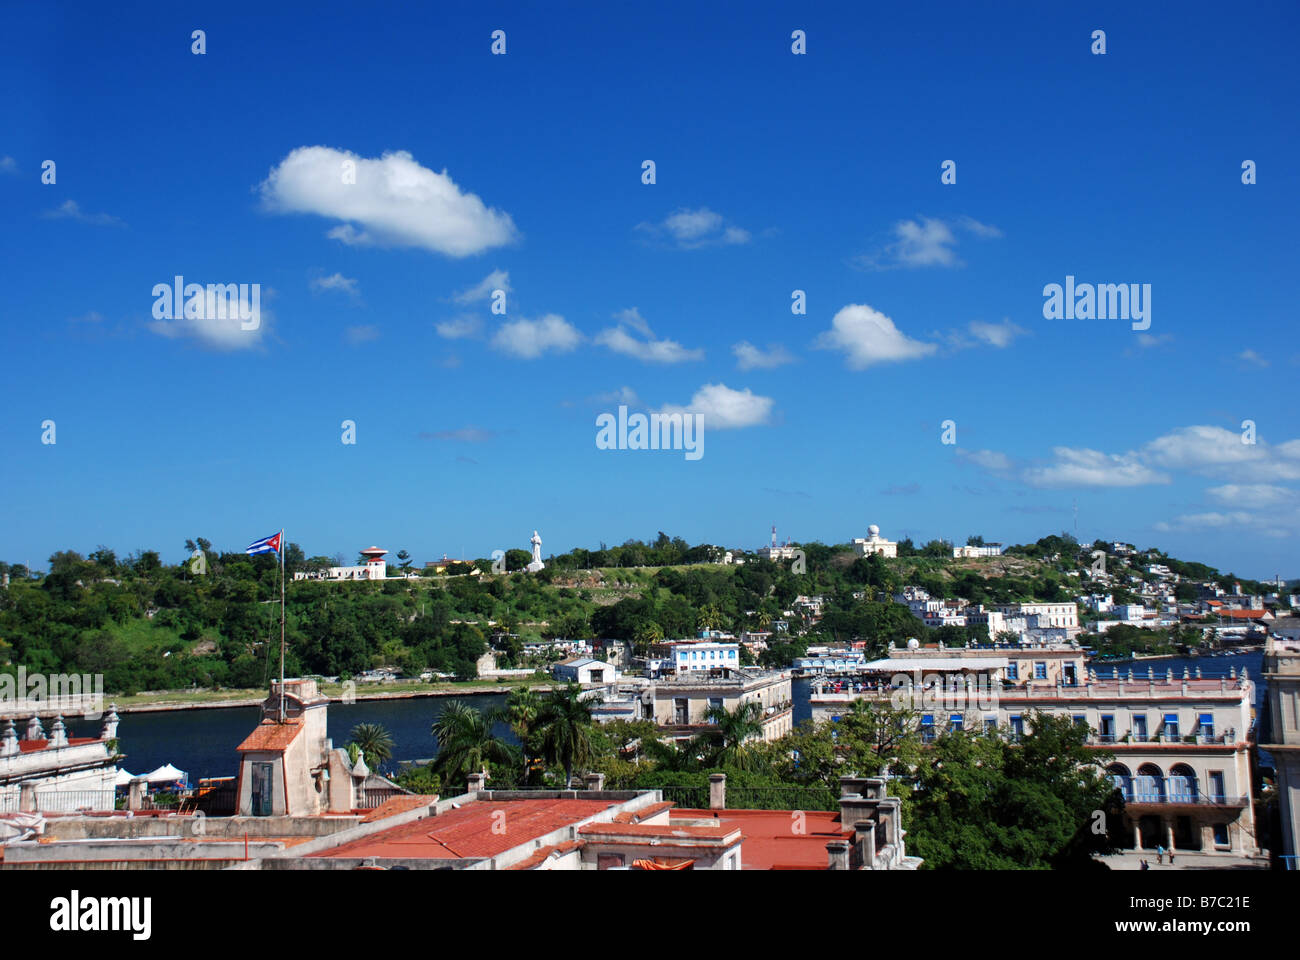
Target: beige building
875	543
288	767
54	772
680	703
1282	672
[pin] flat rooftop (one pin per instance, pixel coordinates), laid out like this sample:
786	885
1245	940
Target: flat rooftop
769	838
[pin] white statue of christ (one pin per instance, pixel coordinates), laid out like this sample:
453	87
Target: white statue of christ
537	564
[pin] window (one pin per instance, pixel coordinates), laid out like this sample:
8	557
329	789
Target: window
1017	727
991	726
1040	670
1139	726
1171	725
1107	731
1080	720
1216	786
732	654
927	727
955	722
1013	670
1220	834
1207	725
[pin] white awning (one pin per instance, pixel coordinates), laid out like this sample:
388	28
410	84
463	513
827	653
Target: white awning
165	774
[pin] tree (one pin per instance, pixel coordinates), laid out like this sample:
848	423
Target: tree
523	707
466	743
724	742
374	741
983	803
404	559
564	729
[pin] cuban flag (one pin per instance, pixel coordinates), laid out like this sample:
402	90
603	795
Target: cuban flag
265	545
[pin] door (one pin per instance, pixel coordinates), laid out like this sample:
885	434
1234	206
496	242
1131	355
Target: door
263	779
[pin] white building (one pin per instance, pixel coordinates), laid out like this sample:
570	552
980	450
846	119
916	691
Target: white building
875	543
710	654
585	670
58	773
1050	614
987	550
375	568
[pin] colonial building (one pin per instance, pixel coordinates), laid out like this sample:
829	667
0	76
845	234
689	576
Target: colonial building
875	543
1282	671
54	772
374	568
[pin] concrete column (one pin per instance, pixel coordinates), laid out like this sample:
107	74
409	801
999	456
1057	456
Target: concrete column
1137	832
717	791
595	781
891	816
27	797
476	782
1168	824
837	852
135	798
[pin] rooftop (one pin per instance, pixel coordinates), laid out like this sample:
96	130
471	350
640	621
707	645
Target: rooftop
769	841
271	736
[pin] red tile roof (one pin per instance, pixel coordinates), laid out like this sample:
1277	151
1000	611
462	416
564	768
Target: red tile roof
469	832
771	842
667	831
545	853
31	746
271	736
1242	614
400	804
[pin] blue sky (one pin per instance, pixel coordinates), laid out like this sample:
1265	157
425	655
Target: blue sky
775	172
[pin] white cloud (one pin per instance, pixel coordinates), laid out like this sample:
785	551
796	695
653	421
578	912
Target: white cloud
217	333
1077	467
460	328
988	459
335	281
690	229
995	334
1254	495
470	434
726	409
69	210
623	395
867	336
394	201
1216	451
496	280
648	350
1200	521
1147	340
750	357
529	339
8	165
924	242
1250	356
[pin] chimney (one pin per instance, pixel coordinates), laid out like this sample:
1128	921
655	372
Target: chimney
9	740
135	799
717	791
595	781
109	730
837	852
864	843
58	733
476	782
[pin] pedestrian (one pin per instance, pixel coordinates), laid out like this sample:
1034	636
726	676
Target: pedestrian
1171	856
1145	865
1160	854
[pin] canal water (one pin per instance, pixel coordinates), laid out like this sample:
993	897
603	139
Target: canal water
202	742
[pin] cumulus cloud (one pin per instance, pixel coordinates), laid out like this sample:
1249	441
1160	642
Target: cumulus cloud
530	339
995	334
220	326
1251	357
1215	451
623	395
648	350
689	229
69	210
335	281
750	357
459	328
924	242
1078	467
866	337
1254	495
726	409
496	280
8	165
988	459
394	202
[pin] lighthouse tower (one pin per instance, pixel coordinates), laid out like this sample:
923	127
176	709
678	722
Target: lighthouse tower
376	566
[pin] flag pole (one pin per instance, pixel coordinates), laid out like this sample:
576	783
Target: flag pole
282	625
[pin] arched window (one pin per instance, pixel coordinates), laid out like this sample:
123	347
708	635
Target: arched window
1123	780
1149	786
1182	783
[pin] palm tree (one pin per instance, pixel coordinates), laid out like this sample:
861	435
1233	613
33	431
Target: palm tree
374	742
710	618
764	619
725	740
466	743
520	713
646	634
564	729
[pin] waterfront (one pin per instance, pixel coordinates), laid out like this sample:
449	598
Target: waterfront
202	741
